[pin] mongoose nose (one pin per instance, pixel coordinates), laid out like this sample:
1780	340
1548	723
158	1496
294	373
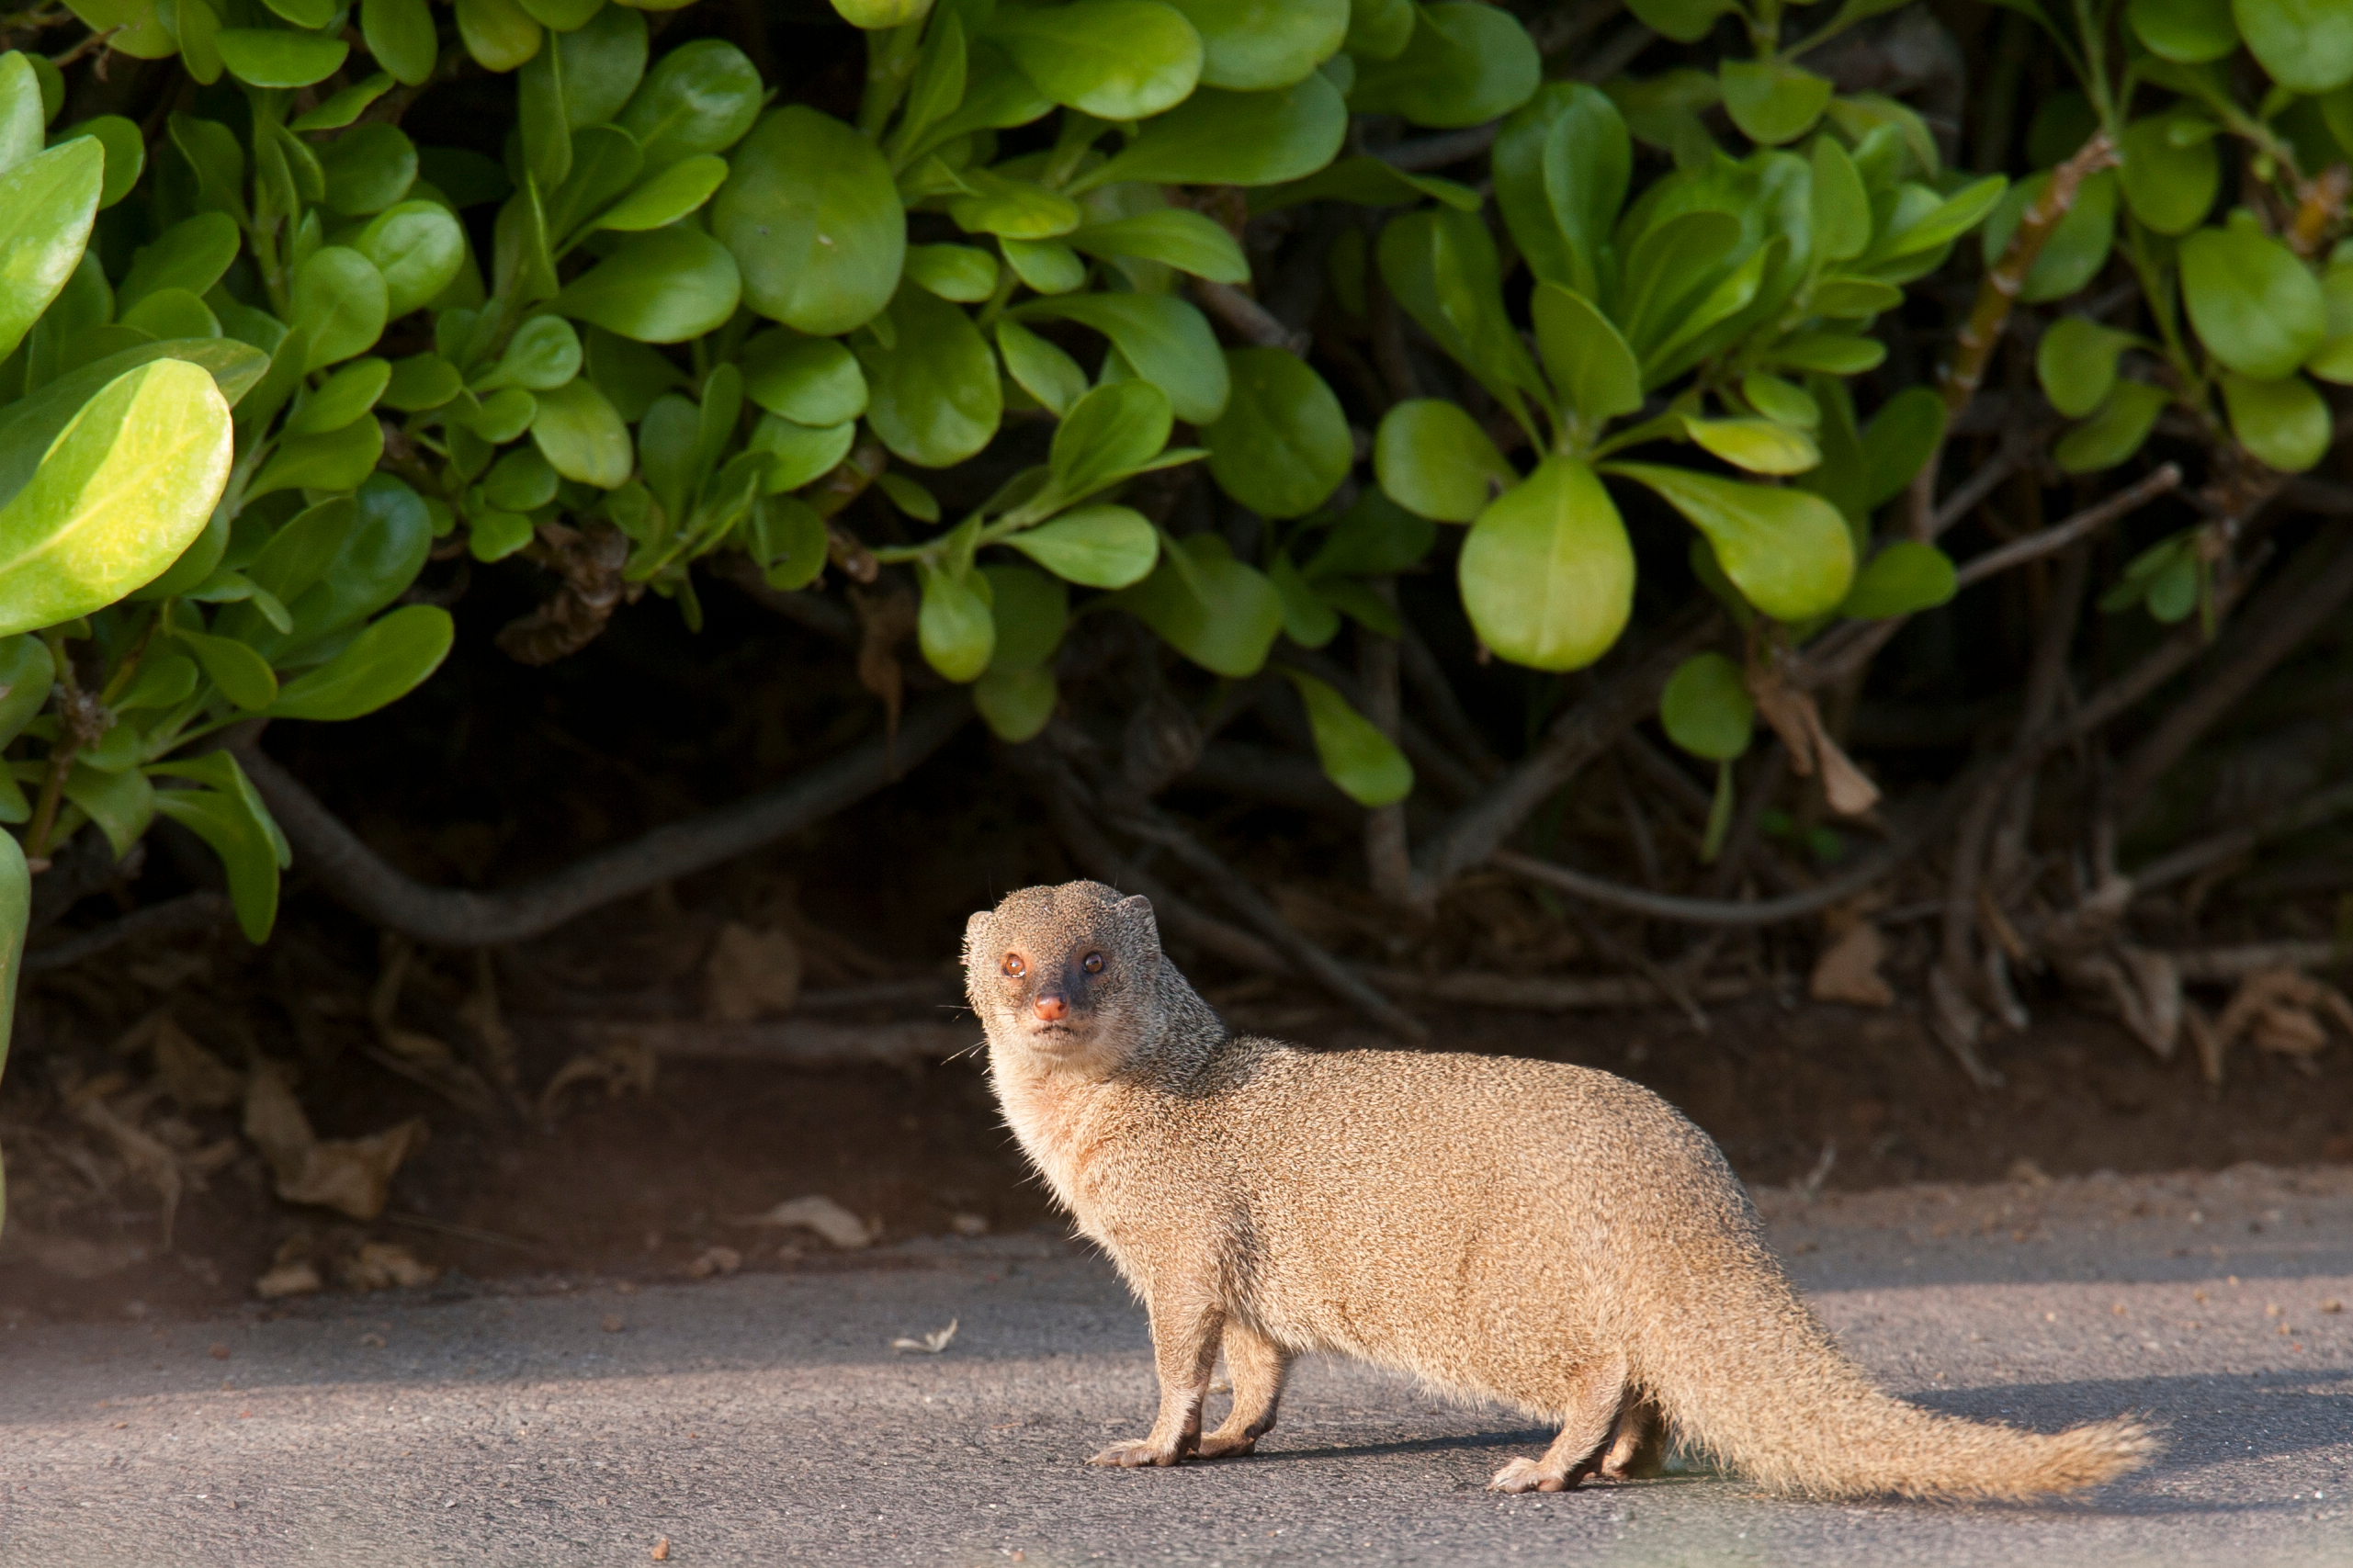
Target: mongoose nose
1050	1006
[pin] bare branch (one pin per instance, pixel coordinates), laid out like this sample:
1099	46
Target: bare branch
357	877
1251	321
176	917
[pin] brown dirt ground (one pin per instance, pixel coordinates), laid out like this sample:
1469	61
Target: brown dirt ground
640	1185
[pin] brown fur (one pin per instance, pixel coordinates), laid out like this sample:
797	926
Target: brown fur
1548	1237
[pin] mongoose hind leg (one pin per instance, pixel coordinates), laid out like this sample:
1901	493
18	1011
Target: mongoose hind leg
1638	1450
1596	1394
1257	1365
1184	1349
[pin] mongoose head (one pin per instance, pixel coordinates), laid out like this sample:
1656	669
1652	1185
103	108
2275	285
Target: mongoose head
1068	977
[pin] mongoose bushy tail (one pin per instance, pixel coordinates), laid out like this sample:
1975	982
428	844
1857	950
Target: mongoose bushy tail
1548	1237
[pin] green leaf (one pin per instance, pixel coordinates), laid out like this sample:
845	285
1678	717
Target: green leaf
1364	763
1166	340
367	168
2188	32
123	490
1759	445
812	214
419	249
385	662
1216	137
347	394
23	115
965	274
1306	619
700	98
668	196
934	395
1685	21
1939	223
1432	458
2307	45
810	381
1015	704
1039	368
1256	44
242	675
2257	308
1547	572
1789	552
1779	400
1181	239
1464	64
1904	435
796	453
521	480
1561	164
2115	429
1842	207
582	437
2285	423
603	61
543	354
193	255
1375	537
242	836
340	304
337	459
1706	709
1588	360
1094	546
423	382
171	313
955	627
1442	267
1032	611
1216	611
1772	102
271	57
2170	184
664	286
1045	265
2333	361
1282	445
1366	182
1833	354
2075	362
1111	433
45	206
26	672
1904	578
122	804
125	152
1114	59
399	34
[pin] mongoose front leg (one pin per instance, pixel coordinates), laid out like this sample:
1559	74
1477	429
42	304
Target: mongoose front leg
1639	1446
1184	1349
1596	1392
1257	1365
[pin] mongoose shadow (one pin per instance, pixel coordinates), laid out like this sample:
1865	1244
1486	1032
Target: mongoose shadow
1549	1237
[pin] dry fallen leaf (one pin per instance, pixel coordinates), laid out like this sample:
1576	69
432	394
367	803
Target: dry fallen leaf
297	1278
353	1175
622	1066
612	1323
823	1215
1848	970
145	1156
384	1265
661	1550
721	1260
931	1344
190	1074
750	974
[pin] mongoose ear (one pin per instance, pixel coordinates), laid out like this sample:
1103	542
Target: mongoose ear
1138	909
975	932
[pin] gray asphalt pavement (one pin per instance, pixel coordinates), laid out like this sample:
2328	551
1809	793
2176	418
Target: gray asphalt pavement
764	1419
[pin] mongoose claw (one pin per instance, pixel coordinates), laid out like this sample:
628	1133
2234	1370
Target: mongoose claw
1530	1475
1136	1453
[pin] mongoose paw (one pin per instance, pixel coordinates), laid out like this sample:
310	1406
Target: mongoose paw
1530	1475
1136	1453
1214	1447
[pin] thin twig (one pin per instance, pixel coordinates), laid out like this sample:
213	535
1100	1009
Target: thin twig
175	917
1548	993
2190	860
1251	321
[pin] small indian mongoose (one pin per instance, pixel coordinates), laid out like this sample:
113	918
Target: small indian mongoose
1551	1238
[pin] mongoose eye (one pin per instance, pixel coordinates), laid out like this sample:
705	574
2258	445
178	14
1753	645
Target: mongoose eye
1092	964
1014	966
